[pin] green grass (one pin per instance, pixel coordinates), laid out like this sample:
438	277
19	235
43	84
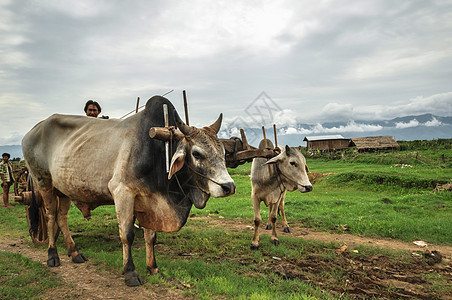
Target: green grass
13	220
366	194
22	278
373	200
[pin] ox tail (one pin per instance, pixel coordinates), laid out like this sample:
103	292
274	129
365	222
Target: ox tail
33	209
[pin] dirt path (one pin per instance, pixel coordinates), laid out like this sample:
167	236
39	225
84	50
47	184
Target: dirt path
84	280
348	239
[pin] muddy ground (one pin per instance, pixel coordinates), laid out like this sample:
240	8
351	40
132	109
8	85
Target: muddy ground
376	276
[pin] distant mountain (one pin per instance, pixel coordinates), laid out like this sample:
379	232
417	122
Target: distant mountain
420	127
421	119
408	128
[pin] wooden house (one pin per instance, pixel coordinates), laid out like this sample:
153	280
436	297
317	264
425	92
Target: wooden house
326	142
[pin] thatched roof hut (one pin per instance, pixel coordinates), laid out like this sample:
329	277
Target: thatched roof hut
373	142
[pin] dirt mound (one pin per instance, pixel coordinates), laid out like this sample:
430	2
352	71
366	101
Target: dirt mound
364	277
443	187
314	176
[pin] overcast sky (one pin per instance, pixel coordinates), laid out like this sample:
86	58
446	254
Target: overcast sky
316	60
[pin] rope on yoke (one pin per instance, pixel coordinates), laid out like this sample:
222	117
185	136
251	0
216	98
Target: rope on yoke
278	171
202	175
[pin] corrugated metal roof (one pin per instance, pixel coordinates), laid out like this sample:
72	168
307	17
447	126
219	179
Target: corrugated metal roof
324	137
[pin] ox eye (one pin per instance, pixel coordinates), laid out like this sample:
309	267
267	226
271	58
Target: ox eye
293	163
197	155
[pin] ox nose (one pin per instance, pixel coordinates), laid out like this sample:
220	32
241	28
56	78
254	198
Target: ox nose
228	188
308	188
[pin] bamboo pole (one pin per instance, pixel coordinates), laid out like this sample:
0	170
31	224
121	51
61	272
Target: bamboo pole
185	107
138	104
266	146
274	132
165	116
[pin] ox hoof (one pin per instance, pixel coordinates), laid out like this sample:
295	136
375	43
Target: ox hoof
132	279
53	261
275	242
153	271
268	227
79	259
287	230
254	247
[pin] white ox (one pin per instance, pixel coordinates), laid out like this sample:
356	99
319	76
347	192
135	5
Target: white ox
288	173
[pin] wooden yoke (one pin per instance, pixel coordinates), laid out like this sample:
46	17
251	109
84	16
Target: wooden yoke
237	150
266	146
165	133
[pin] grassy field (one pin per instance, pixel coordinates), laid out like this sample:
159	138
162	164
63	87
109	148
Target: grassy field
21	278
386	194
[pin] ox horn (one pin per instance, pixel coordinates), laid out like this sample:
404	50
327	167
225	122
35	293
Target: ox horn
184	128
216	126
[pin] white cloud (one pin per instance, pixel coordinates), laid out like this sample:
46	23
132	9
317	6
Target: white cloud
412	123
433	123
291	130
438	104
319	128
285	117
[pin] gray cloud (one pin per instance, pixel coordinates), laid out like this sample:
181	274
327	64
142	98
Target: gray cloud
341	60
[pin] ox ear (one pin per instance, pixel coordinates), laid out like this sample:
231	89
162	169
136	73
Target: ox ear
216	126
177	162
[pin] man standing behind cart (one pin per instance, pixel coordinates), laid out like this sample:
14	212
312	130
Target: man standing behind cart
6	174
92	108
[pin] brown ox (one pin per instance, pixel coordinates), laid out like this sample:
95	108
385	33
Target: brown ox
96	161
288	173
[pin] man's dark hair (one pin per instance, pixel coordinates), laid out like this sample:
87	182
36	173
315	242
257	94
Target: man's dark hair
6	154
89	102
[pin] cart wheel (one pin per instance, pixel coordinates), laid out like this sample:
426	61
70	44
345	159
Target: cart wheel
20	183
41	236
